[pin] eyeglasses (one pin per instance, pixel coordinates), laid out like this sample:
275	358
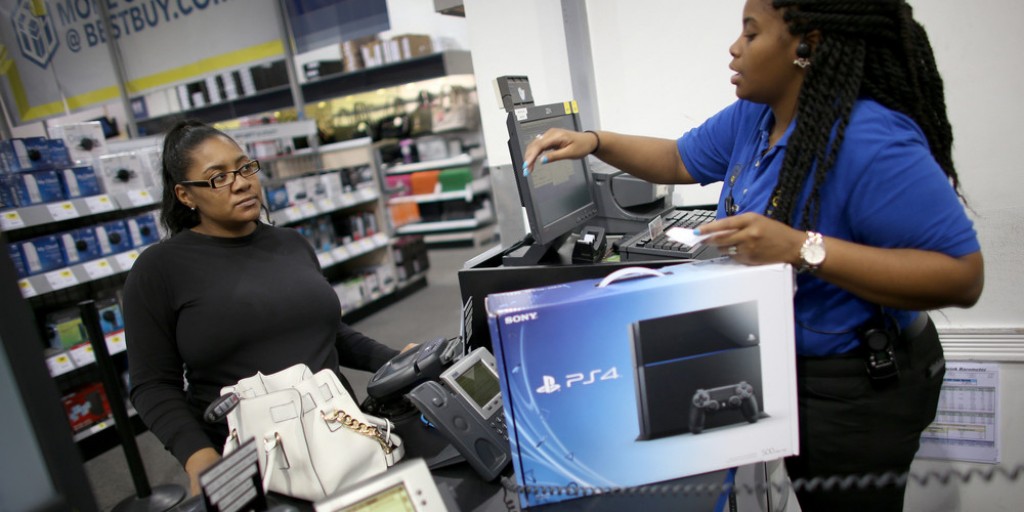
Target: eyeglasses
223	179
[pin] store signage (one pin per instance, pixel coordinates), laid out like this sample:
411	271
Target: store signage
162	43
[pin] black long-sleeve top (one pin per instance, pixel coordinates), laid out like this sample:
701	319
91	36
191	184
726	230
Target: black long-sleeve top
203	312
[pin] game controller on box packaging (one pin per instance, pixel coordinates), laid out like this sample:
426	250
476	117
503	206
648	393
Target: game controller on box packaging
721	400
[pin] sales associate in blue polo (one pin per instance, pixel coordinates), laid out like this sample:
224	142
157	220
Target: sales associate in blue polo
837	159
224	297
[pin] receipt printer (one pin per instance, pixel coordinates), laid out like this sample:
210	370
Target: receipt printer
590	247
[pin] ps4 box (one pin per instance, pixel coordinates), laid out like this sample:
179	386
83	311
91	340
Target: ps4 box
646	376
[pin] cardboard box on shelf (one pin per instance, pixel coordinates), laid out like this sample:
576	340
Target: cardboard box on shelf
653	377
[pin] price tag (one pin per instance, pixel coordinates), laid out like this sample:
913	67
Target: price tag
98	268
61	278
380	239
115	342
326	259
348	198
309	209
99	204
82	354
62	211
11	220
365	194
140	197
293	213
340	253
326	205
365	245
59	364
27	290
125	260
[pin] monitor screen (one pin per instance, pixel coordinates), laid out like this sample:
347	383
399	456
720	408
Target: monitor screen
557	196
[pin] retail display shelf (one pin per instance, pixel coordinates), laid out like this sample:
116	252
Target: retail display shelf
480	218
449	62
310	209
81	273
477	237
352	250
102	425
477	186
381	300
444	163
41	214
82	356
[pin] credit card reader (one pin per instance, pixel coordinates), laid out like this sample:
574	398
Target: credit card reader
466	408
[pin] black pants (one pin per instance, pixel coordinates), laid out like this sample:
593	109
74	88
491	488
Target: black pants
850	425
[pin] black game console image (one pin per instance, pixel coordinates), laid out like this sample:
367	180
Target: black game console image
714	400
711	350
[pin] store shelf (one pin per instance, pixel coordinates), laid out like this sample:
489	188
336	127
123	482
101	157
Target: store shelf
450	62
474	188
446	63
82	356
481	217
383	300
42	214
81	273
352	250
310	209
477	237
455	161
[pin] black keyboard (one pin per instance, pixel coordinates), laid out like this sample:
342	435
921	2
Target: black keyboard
641	247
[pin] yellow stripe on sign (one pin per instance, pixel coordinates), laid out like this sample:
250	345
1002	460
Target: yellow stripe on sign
27	112
567	107
204	67
200	68
575	107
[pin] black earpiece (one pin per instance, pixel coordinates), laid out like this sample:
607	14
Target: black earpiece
803	50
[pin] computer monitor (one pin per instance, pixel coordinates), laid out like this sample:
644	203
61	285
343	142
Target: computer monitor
557	196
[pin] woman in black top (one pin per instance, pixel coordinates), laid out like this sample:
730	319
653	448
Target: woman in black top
224	297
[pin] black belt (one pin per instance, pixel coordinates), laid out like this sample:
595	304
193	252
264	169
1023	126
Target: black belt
851	363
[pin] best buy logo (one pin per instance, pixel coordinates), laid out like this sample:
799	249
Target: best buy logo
37	37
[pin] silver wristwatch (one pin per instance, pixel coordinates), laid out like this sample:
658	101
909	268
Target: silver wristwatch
812	253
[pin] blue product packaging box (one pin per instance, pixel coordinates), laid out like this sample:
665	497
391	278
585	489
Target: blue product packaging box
37	187
8	198
276	195
80	245
42	254
80	182
143	230
113	237
646	376
19	263
33	154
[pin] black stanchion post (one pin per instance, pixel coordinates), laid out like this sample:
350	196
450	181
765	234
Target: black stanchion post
146	499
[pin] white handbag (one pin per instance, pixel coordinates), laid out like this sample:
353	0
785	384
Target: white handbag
314	437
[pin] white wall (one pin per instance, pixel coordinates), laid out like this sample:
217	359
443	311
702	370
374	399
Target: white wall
660	67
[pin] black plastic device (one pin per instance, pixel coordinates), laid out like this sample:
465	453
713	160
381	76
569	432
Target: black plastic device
590	246
467	411
558	196
406	370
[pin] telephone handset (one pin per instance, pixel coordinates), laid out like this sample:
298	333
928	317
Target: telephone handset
467	411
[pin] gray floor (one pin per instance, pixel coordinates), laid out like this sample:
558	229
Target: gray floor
426	314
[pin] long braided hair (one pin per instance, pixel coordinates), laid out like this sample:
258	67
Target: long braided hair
868	48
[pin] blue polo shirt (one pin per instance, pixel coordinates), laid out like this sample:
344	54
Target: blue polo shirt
885	190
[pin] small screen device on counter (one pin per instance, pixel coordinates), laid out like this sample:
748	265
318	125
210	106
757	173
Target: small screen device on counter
406	487
467	410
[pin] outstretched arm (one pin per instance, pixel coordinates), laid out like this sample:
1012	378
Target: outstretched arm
649	158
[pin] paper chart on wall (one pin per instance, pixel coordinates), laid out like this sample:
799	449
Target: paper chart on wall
966	425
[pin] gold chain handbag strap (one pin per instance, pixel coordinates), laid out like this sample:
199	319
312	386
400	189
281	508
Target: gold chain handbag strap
348	421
